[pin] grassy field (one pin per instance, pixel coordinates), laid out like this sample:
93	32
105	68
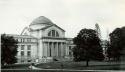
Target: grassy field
58	71
93	65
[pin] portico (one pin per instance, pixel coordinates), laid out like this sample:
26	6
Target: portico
54	49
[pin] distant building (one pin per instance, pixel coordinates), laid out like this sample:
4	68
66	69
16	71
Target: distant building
43	40
102	42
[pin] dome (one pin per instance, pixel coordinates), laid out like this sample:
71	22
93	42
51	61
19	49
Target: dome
41	20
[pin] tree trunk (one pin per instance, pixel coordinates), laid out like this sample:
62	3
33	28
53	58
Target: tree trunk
87	63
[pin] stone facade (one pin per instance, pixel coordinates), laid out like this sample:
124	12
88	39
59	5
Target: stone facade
44	41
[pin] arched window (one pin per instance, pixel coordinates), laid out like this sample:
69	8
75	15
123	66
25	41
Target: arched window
53	33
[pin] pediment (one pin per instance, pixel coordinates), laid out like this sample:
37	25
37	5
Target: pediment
53	26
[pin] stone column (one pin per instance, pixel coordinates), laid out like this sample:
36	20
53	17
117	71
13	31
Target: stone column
57	49
68	50
25	51
40	45
64	49
52	49
43	49
61	49
59	52
37	51
48	50
69	53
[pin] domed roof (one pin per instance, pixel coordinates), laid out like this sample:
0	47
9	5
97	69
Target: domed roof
41	20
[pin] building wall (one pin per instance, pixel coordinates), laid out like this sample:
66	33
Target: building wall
32	50
39	48
35	33
42	45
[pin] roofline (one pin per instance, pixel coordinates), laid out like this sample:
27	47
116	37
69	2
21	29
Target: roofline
20	35
23	30
56	26
59	27
41	23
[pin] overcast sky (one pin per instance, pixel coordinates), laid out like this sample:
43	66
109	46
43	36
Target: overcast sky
71	15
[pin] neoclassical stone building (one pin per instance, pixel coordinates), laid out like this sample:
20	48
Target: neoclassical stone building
44	41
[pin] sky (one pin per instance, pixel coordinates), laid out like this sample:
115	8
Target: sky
71	15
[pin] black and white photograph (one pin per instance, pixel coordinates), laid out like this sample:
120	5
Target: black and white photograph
62	35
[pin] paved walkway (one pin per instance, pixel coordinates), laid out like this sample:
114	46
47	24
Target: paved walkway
69	70
33	67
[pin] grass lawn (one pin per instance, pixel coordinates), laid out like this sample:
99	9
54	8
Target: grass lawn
93	65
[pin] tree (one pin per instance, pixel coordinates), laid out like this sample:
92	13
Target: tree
87	46
8	49
117	43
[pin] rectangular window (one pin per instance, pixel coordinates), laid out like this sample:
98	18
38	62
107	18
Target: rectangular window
70	50
22	61
29	40
18	46
29	61
69	47
22	53
28	53
22	47
23	40
28	47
